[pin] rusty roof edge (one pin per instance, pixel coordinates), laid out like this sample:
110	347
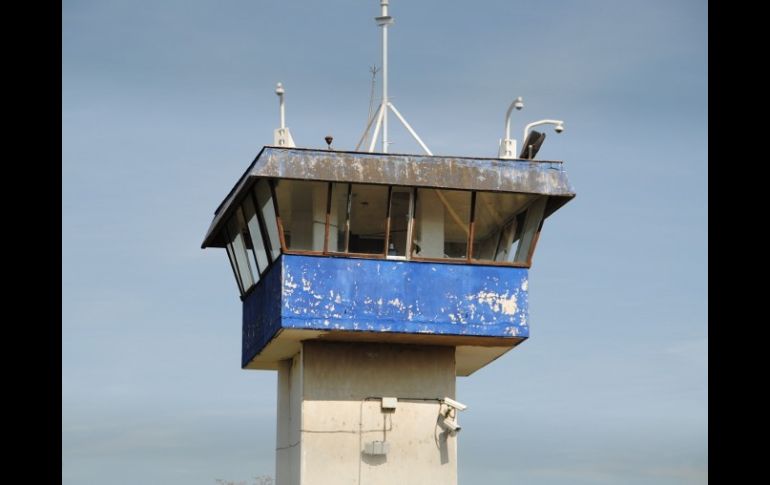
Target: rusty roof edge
464	173
324	151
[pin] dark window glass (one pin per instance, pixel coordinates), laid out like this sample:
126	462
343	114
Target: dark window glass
338	218
400	214
368	211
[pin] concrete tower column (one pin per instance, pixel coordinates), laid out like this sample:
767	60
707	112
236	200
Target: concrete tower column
330	414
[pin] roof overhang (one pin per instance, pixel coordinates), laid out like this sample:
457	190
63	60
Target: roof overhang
441	172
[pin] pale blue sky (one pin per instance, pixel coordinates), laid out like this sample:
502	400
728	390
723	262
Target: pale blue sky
165	104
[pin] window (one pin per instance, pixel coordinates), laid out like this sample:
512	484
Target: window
231	257
255	242
267	210
247	243
497	224
530	229
400	215
302	208
441	224
505	225
368	211
236	248
338	218
383	221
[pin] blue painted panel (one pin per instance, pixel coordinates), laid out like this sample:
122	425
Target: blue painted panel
399	296
261	314
331	293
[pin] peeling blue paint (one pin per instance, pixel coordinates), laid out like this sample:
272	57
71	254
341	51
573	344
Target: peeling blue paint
329	293
261	314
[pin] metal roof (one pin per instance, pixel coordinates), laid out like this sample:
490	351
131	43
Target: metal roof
444	172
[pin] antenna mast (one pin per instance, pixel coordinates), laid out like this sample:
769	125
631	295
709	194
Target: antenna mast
384	20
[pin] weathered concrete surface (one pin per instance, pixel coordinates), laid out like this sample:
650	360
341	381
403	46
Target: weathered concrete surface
289	422
340	385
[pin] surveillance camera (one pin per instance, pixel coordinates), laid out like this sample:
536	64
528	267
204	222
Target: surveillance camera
454	404
452	426
559	128
279	89
518	103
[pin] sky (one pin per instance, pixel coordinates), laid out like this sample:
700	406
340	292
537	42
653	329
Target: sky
165	103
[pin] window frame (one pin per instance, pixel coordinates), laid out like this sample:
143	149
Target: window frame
327	250
412	191
410	246
231	253
266	231
468	246
349	209
523	214
284	248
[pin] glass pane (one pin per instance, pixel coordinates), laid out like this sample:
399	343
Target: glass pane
441	220
400	213
368	211
231	257
530	227
238	249
338	218
302	206
247	242
496	224
255	241
266	208
509	239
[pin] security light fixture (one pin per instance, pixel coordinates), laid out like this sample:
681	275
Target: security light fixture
533	141
559	126
508	145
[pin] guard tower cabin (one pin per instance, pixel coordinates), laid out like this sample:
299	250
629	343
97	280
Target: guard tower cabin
369	281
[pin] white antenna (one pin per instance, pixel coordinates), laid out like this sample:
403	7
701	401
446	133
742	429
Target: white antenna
282	136
384	20
374	70
381	115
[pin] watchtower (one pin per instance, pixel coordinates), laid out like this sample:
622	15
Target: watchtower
370	281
